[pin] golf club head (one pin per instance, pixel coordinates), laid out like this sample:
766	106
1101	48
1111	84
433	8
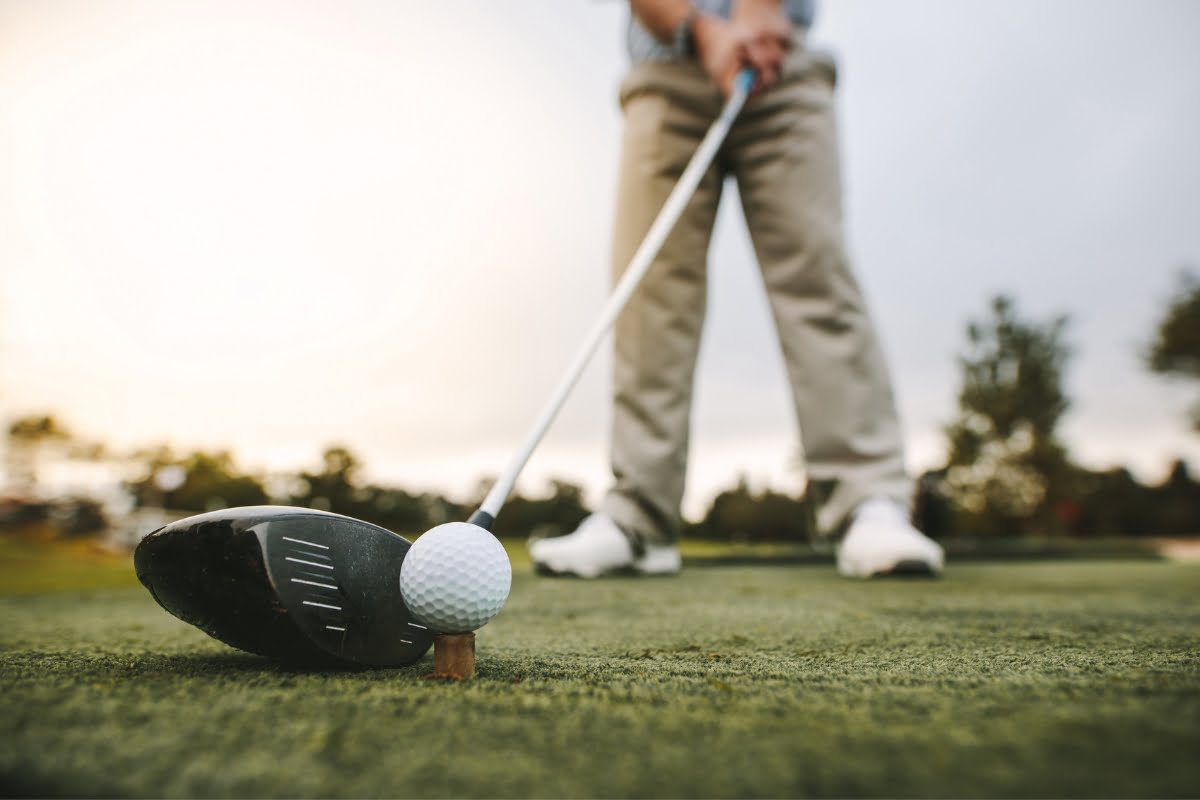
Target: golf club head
289	583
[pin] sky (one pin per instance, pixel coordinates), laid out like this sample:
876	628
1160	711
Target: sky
272	226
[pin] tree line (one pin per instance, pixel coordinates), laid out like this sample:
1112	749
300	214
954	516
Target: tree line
1007	471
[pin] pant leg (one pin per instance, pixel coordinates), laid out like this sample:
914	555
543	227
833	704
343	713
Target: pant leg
668	109
784	154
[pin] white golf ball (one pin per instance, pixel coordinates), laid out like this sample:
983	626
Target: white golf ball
455	578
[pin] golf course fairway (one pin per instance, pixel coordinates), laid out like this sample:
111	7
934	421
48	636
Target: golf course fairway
1047	679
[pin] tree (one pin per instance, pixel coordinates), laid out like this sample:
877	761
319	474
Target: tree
1177	503
559	512
1007	469
740	514
340	488
336	487
1175	350
201	481
28	438
1113	503
405	512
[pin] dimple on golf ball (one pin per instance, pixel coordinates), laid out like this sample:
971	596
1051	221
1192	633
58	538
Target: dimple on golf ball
455	578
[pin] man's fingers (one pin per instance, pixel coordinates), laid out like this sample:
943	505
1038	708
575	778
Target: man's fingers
769	48
767	57
730	47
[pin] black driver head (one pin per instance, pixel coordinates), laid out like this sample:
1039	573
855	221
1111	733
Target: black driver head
288	583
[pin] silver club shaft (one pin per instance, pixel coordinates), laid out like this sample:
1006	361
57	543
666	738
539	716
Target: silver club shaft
664	223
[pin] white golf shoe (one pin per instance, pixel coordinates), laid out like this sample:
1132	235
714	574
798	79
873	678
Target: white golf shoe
881	541
599	547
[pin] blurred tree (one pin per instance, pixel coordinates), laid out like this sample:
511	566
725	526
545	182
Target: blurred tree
1175	350
336	487
1007	470
558	512
201	481
739	514
339	488
404	512
1113	503
79	516
1177	503
28	439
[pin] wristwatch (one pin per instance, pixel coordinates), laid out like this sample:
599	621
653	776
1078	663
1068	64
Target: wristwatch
682	43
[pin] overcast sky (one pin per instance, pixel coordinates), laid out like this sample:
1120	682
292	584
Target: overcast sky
270	226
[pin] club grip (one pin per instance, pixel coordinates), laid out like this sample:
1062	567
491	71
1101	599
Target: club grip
745	80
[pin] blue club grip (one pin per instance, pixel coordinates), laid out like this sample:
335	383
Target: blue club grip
745	80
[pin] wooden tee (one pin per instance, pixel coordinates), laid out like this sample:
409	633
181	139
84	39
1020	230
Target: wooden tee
454	656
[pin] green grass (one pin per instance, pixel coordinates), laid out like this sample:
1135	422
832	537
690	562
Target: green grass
1039	679
34	563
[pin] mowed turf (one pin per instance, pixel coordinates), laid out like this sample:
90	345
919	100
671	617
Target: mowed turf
1030	679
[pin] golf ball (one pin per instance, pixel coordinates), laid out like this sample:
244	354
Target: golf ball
455	578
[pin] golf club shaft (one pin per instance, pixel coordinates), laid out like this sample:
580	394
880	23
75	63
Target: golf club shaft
667	217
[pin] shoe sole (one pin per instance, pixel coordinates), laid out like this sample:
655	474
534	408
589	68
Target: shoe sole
911	568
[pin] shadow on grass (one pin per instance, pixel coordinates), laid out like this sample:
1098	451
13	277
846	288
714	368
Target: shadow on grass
958	550
236	663
231	663
20	783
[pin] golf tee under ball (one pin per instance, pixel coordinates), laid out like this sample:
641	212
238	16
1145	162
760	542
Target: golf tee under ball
454	656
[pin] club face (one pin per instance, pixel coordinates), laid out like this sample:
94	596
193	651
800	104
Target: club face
288	583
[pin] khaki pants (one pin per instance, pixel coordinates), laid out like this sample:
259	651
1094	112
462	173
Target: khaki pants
782	151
